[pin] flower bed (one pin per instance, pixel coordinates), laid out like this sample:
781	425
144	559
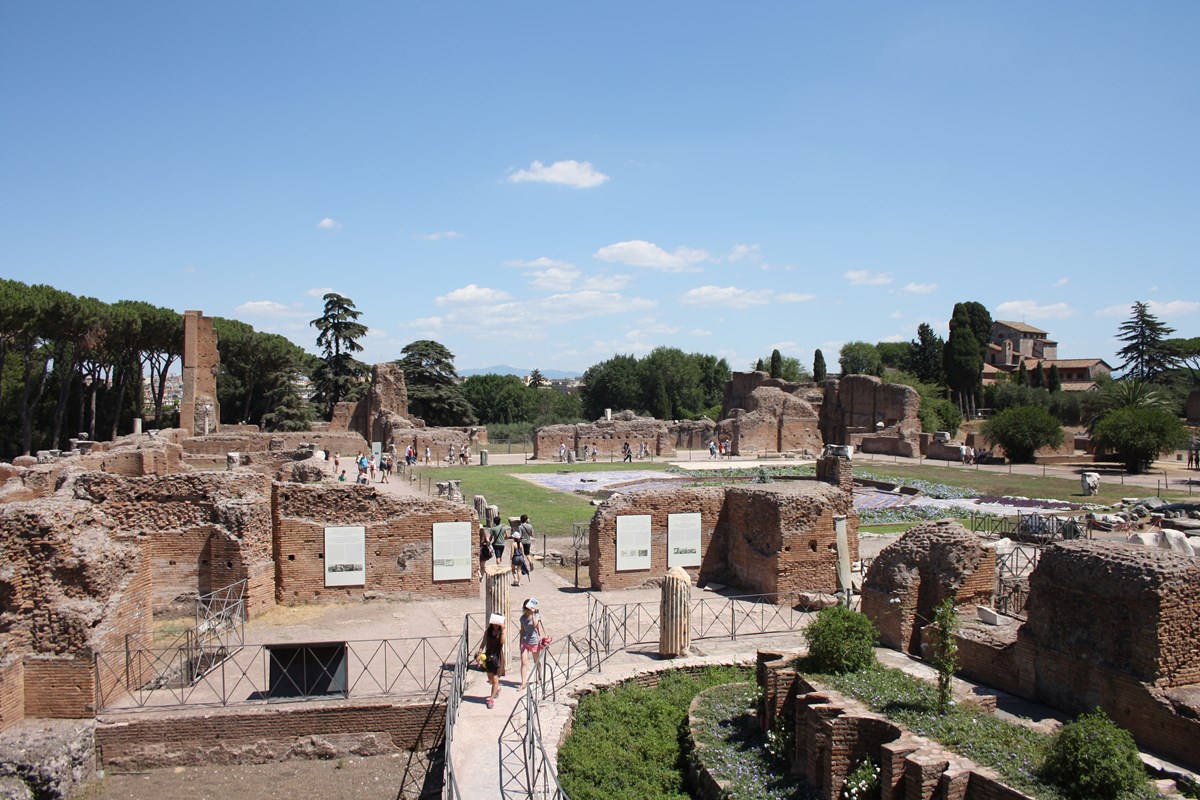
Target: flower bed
730	756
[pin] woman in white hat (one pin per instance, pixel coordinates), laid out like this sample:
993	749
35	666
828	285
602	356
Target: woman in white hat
533	637
493	654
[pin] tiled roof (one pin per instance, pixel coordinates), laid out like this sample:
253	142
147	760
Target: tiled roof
1021	326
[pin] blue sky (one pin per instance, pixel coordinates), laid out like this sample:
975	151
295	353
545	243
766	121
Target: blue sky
547	184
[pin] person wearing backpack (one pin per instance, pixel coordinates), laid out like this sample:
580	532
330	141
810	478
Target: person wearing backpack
524	534
499	533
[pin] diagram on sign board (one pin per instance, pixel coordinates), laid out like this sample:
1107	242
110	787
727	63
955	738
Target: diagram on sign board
452	551
346	556
683	540
633	542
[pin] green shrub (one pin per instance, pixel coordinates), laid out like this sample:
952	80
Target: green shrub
1093	759
841	640
627	742
1022	430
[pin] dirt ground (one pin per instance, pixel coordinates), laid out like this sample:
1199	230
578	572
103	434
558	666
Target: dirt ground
374	778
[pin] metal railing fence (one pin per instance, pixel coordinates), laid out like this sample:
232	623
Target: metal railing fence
149	677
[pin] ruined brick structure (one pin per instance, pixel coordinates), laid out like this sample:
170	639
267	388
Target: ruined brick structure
874	416
88	558
1109	624
834	733
768	539
609	435
911	577
773	420
382	416
199	409
399	548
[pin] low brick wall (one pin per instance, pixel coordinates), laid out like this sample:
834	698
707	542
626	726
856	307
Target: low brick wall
834	733
265	734
61	687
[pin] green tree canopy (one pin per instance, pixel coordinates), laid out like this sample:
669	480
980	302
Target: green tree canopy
819	368
776	370
894	355
1146	352
860	358
1138	435
500	399
1022	430
341	377
963	361
925	356
432	382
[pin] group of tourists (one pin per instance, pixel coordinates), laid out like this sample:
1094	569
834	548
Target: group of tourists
410	455
533	640
492	542
368	467
720	449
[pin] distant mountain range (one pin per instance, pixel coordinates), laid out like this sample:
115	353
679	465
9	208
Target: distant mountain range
504	369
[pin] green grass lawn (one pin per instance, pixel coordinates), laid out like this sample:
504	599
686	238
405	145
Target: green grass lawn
551	512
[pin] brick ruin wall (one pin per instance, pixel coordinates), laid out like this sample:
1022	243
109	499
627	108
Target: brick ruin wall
912	576
608	436
1109	624
761	539
398	542
202	531
263	735
199	364
834	733
217	445
774	421
855	405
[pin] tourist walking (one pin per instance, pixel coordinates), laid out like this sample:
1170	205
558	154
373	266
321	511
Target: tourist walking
499	532
385	468
493	655
520	564
533	638
524	534
626	453
595	452
428	455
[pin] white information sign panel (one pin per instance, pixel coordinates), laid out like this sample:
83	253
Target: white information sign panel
683	540
633	542
452	551
346	556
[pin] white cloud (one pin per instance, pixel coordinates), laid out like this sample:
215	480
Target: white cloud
553	279
424	323
1029	309
1060	282
653	328
320	292
579	174
539	263
919	288
865	277
329	224
699	332
745	252
472	295
1170	308
640	253
725	297
437	236
895	337
795	297
605	282
897	314
268	308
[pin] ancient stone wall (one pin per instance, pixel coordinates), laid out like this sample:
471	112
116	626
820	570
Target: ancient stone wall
219	444
202	530
912	576
1081	592
773	421
691	434
608	436
259	735
854	406
776	538
1110	625
741	385
399	545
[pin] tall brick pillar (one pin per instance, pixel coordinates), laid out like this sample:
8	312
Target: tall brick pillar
199	409
497	599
